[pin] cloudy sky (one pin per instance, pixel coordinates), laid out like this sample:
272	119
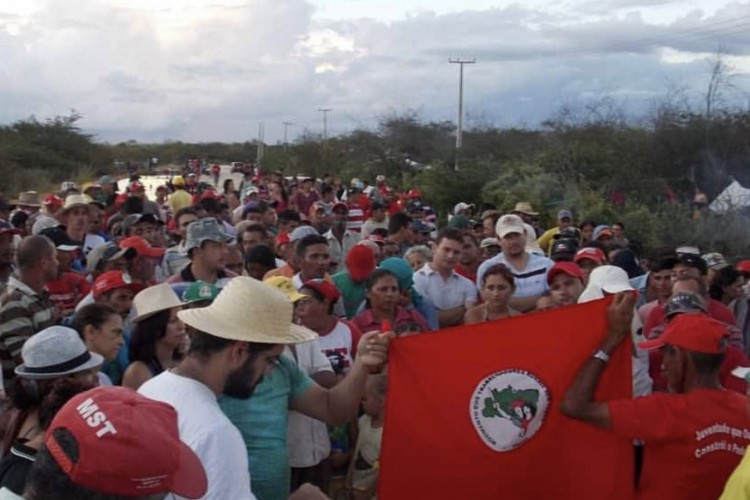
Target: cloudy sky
204	70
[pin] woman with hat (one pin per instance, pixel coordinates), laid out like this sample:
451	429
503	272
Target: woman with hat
56	366
159	338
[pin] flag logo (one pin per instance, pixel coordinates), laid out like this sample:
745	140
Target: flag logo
508	408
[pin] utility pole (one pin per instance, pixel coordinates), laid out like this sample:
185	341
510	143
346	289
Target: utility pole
261	138
325	112
459	131
286	128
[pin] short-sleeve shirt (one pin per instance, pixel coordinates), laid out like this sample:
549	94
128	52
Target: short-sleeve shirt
262	421
447	294
530	281
692	442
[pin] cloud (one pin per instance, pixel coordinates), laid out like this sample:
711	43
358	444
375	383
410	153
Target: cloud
211	71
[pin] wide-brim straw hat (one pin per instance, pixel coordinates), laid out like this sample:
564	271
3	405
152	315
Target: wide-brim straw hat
248	310
155	299
525	207
75	200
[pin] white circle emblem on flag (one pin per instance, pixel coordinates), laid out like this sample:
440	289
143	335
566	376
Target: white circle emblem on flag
508	408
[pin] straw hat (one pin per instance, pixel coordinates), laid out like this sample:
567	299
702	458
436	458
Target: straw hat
76	200
154	299
29	199
525	208
249	311
55	352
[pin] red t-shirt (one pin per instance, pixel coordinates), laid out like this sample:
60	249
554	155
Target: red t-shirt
692	442
716	310
66	291
461	270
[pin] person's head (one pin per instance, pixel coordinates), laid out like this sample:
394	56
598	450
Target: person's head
313	256
240	335
206	244
693	347
373	402
448	249
259	259
315	310
142	225
418	256
489	221
618	230
360	262
251	235
125	426
660	277
489	247
588	259
690	284
96	217
101	328
116	289
288	221
378	211
161	328
66	248
75	215
38	256
340	213
307	184
382	290
142	267
587	231
234	260
228	185
565	280
391	249
726	285
470	253
498	286
399	226
564	218
689	265
253	212
512	233
182	218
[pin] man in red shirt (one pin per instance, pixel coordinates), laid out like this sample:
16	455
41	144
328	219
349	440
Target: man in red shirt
694	437
69	287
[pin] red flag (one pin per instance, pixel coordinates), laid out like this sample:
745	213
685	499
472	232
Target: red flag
473	412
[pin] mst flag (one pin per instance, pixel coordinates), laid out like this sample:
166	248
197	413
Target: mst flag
473	412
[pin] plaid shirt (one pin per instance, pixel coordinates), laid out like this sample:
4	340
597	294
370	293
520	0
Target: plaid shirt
23	312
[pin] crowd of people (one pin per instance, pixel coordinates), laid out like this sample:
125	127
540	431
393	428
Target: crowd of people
230	341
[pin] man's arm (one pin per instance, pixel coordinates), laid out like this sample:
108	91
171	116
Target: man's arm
523	304
579	401
340	403
451	317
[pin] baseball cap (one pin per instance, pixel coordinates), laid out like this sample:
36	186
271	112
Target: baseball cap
692	260
715	261
423	228
590	253
126	428
178	180
198	291
414	206
360	262
743	266
55	352
693	332
106	252
687	249
376	205
462	206
601	231
205	229
302	231
489	242
7	228
414	194
60	239
684	303
564	249
112	280
325	288
133	219
605	279
143	247
564	214
285	286
459	222
106	179
569	268
339	204
508	224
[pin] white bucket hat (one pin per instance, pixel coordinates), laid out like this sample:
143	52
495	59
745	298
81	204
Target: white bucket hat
249	311
155	299
55	352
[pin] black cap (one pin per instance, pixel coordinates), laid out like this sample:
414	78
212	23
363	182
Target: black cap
60	238
692	260
564	250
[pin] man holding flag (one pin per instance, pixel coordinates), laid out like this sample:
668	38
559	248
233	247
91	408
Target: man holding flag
694	436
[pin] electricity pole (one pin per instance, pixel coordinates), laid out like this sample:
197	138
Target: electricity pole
261	138
459	131
325	112
286	128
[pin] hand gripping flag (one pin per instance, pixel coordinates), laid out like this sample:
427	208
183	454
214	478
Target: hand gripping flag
473	412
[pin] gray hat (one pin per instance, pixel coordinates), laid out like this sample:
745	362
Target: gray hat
106	252
55	352
715	261
684	302
206	229
133	219
301	232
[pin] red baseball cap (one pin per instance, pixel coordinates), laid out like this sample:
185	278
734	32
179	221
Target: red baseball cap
591	253
693	332
360	262
325	288
282	239
115	279
569	268
142	247
414	193
138	436
743	266
339	204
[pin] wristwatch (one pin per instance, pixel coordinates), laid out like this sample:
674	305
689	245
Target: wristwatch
601	355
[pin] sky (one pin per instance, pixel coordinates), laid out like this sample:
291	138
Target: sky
213	70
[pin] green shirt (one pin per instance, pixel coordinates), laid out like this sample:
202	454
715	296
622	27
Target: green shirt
353	294
262	421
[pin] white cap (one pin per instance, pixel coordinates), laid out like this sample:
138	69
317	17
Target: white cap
461	206
741	372
508	224
605	279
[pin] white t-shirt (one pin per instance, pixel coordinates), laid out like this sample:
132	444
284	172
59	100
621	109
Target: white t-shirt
205	428
338	346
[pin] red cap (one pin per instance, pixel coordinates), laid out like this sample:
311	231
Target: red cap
136	186
743	266
360	262
53	202
569	268
282	239
142	247
339	204
693	332
414	193
325	288
115	279
591	253
377	238
125	427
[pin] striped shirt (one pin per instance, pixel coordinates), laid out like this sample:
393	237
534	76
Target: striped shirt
530	281
23	312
